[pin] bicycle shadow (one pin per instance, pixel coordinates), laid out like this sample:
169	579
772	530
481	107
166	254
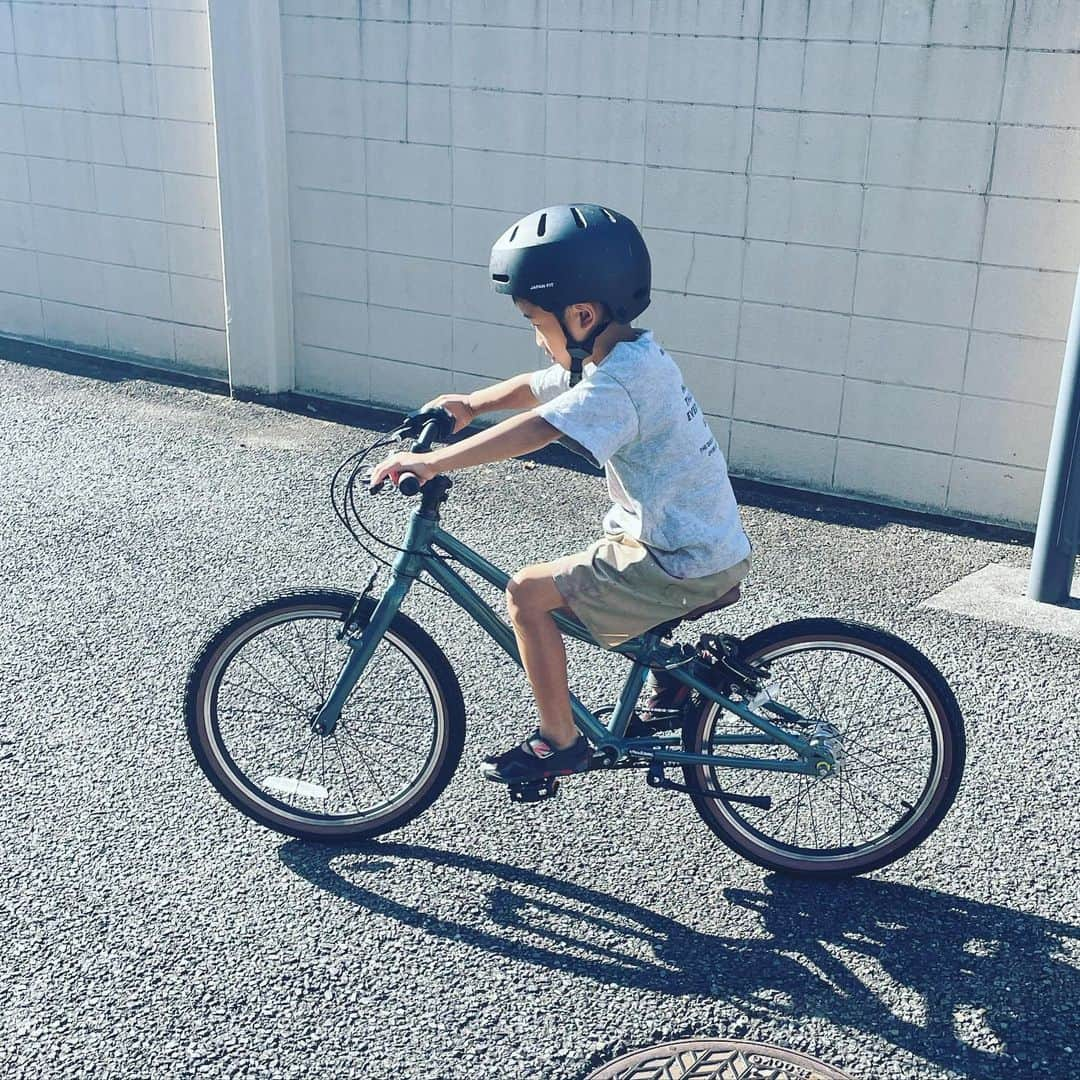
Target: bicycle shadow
955	981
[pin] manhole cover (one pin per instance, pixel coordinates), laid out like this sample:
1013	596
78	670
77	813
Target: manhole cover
716	1059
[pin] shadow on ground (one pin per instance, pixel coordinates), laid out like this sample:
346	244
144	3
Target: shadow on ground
970	986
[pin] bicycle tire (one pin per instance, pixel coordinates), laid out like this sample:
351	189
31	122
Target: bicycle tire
215	760
946	737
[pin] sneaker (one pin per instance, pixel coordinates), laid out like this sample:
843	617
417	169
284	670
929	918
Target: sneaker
535	759
665	699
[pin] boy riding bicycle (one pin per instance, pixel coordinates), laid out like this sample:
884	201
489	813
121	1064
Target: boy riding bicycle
673	540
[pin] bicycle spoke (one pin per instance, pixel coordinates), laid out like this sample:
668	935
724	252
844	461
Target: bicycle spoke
382	745
899	741
874	798
322	763
387	742
854	805
884	764
275	698
875	769
840	812
813	819
817	684
794	809
795	833
364	763
381	761
345	773
275	714
811	695
303	760
397	722
278	649
792	681
325	654
306	661
872	750
272	685
858	709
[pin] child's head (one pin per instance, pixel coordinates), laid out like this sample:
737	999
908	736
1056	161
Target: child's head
579	321
572	271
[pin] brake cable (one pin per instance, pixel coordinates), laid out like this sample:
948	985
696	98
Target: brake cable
348	505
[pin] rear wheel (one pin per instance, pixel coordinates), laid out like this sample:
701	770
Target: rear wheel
896	729
258	684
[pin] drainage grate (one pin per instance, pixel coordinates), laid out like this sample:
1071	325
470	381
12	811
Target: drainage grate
716	1059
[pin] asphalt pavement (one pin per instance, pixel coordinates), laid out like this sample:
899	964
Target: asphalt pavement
152	931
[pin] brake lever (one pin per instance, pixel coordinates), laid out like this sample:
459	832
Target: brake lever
415	421
377	488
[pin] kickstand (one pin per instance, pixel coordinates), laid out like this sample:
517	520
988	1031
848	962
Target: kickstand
656	779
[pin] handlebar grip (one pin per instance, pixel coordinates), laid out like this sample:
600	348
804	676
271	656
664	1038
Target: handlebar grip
439	424
408	483
428	433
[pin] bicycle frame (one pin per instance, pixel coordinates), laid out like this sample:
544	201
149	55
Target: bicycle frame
425	538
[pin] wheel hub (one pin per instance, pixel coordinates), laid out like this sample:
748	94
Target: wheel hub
827	738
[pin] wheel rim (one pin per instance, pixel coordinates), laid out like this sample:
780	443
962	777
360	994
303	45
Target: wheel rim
386	747
889	773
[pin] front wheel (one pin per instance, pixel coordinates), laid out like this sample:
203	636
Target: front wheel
258	684
894	726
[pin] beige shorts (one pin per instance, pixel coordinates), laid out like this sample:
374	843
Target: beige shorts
618	590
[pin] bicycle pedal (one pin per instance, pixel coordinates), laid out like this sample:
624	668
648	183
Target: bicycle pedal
534	791
659	722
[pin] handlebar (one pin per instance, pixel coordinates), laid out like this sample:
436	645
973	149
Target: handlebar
427	425
409	483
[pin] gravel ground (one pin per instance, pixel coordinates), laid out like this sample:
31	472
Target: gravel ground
151	930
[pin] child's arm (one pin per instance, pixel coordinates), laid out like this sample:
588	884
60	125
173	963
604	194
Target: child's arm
511	438
515	393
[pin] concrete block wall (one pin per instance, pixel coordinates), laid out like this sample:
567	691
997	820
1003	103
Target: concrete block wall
863	215
109	224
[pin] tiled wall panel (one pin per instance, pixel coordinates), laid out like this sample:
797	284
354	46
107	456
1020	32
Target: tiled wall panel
108	180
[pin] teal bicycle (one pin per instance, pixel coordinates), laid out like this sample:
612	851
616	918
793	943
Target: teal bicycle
818	747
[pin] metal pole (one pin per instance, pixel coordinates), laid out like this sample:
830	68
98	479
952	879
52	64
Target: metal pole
1057	535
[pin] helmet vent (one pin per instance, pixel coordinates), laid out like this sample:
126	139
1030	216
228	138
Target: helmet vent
541	228
514	233
502	278
579	217
609	215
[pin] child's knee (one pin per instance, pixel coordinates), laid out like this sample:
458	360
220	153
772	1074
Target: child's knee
517	594
531	592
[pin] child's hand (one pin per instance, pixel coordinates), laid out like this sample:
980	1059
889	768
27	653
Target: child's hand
417	464
457	405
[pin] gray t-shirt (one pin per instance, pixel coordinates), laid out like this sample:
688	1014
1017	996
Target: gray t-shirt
666	473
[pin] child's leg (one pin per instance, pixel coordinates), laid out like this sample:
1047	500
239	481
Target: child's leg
531	596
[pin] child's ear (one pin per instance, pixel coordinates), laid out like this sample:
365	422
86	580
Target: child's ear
586	315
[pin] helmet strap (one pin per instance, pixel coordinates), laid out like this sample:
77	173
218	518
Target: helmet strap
580	351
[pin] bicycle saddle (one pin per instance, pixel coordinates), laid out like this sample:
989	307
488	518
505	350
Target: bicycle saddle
729	598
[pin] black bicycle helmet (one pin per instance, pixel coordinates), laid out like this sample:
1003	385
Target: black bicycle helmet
572	254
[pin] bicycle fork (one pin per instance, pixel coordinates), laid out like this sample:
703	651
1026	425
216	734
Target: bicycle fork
406	567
